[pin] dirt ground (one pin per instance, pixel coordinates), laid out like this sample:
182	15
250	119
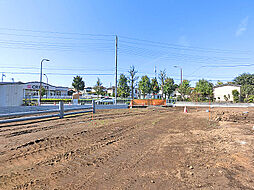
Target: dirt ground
153	148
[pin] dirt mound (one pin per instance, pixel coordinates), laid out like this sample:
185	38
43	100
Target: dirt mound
232	116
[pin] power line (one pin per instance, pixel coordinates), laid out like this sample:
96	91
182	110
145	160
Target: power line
149	52
58	69
65	74
68	33
133	46
183	47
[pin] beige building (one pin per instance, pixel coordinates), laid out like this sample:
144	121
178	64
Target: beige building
223	93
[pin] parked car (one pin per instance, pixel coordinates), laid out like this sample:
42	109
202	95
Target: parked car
105	100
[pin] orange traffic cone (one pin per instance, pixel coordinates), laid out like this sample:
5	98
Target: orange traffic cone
185	110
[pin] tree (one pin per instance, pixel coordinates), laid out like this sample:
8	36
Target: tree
123	89
246	80
43	91
219	83
169	86
251	99
78	83
154	86
162	77
132	79
226	98
194	96
98	87
246	91
184	89
144	85
204	89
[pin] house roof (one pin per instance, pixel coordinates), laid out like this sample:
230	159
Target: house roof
7	83
236	85
44	84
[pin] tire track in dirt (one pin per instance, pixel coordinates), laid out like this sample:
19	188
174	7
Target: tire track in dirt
37	128
69	155
59	125
132	161
35	142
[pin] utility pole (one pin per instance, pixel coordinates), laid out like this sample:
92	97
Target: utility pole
181	76
181	69
47	84
155	72
41	80
116	71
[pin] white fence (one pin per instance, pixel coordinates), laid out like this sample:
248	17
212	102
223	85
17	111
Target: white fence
214	104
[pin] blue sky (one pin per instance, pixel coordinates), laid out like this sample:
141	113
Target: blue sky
208	39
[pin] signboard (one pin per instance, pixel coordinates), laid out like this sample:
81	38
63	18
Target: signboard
36	87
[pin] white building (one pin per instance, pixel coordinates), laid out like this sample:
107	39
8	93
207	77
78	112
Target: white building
111	91
11	94
31	90
224	92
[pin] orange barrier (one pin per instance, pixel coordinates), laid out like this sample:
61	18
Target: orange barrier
148	102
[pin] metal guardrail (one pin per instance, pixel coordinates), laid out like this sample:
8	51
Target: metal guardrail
61	113
214	104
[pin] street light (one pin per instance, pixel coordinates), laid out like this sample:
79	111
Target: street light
47	78
41	80
181	72
47	84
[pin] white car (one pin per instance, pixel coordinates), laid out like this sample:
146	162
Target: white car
106	100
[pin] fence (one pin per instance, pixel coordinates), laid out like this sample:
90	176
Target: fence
214	104
148	102
61	113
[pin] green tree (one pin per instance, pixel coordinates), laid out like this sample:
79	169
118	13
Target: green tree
184	89
219	83
132	79
43	92
154	86
123	89
244	79
169	86
144	85
194	96
246	91
251	99
226	98
236	96
162	78
78	83
98	88
204	90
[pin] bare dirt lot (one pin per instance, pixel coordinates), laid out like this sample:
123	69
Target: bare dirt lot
160	148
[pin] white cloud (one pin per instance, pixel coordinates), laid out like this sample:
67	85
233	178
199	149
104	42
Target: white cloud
242	26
